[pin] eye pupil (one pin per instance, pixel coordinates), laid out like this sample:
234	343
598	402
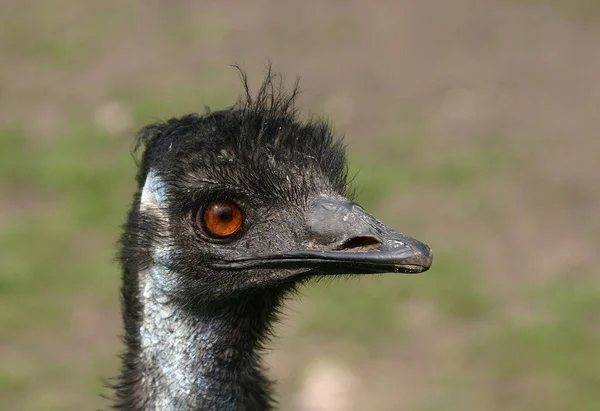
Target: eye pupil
220	219
223	212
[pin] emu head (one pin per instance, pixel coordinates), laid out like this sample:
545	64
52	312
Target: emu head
252	198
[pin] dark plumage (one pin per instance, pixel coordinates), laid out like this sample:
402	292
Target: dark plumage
197	307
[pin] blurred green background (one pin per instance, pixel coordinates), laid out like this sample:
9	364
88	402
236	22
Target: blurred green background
473	124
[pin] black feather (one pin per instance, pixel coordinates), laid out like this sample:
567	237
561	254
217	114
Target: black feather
260	154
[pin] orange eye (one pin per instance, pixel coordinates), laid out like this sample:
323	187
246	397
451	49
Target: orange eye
220	219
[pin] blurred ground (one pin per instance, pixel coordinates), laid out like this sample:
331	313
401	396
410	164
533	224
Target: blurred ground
474	124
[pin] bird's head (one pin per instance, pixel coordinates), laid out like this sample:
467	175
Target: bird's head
250	198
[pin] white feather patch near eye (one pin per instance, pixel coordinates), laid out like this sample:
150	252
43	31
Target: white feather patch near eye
153	193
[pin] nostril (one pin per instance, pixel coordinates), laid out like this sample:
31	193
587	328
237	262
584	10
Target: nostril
360	243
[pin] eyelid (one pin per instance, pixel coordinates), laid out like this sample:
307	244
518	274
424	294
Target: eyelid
202	197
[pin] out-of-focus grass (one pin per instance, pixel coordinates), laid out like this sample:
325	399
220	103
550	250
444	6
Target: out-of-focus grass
550	362
585	10
52	247
85	177
58	253
68	194
65	42
359	308
57	250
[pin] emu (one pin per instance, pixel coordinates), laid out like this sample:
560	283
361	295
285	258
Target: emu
234	210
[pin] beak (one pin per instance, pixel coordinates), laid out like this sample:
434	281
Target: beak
345	239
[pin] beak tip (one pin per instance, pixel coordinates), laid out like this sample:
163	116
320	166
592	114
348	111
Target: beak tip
423	255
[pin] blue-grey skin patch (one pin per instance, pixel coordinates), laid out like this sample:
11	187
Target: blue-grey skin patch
176	348
154	192
163	255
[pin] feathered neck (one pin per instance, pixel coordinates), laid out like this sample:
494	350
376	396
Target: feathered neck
193	357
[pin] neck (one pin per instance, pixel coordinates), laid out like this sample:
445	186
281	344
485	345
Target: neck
192	357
